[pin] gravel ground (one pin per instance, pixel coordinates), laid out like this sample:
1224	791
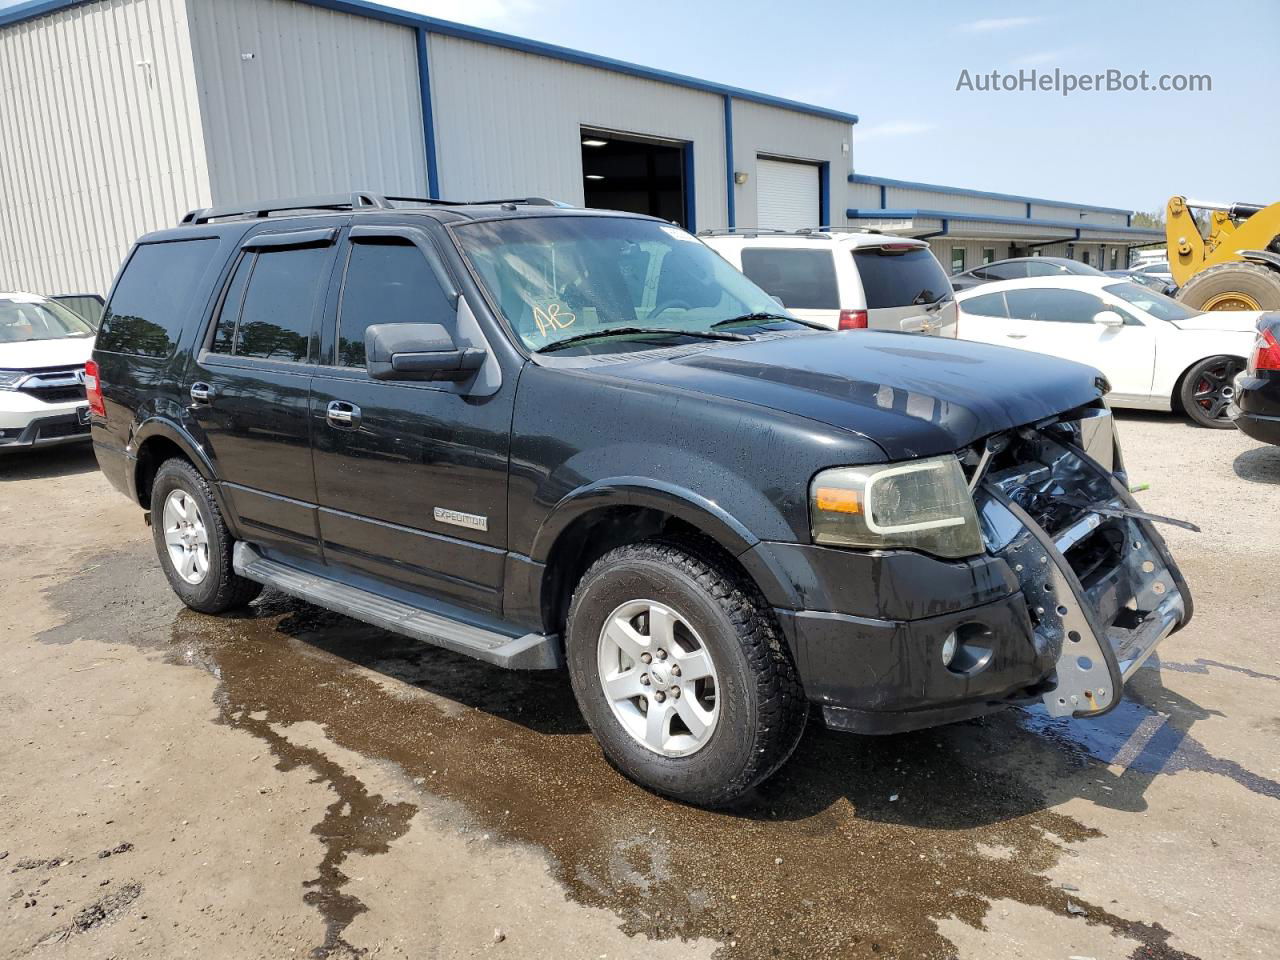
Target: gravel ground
291	783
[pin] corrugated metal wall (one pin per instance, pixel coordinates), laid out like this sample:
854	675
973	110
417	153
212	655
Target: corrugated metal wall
100	140
508	123
298	100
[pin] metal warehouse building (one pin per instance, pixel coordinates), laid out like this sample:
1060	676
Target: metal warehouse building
130	112
970	227
118	116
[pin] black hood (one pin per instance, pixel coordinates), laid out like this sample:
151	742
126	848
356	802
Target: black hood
914	396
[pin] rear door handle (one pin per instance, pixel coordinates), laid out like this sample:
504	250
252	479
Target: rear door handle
341	414
201	392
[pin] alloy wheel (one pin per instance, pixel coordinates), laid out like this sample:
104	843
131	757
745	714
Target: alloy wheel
185	536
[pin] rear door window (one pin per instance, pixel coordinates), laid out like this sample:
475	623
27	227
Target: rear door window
801	279
276	290
155	296
898	278
1053	306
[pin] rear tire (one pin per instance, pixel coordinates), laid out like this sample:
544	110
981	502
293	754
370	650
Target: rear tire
1207	389
192	541
751	709
1233	286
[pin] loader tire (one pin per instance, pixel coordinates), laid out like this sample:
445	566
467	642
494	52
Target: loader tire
1233	286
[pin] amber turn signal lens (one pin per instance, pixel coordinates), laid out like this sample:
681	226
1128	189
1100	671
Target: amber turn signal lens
837	500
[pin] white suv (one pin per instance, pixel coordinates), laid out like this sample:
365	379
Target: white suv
43	349
846	280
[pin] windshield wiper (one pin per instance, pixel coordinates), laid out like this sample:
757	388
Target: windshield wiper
764	315
631	331
923	297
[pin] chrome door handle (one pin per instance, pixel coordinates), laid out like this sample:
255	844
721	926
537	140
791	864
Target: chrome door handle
339	413
1016	336
201	392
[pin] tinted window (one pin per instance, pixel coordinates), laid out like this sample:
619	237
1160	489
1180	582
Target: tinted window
987	305
279	302
1003	271
1053	306
154	296
224	334
801	279
1043	268
387	283
897	278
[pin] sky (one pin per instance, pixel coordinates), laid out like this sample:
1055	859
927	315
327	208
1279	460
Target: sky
898	65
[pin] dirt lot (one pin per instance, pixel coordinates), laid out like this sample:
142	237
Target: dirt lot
290	783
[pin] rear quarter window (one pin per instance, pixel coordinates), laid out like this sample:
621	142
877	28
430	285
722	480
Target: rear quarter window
987	305
801	279
156	295
900	278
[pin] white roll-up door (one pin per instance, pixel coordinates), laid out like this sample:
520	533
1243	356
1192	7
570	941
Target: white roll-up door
786	194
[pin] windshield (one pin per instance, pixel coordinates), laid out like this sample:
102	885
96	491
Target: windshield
896	277
1156	304
22	320
559	277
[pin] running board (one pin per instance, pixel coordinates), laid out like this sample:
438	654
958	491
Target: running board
533	651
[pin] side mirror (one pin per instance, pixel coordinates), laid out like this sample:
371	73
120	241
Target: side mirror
1108	318
417	351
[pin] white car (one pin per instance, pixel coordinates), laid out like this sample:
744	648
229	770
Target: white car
1157	353
43	349
846	280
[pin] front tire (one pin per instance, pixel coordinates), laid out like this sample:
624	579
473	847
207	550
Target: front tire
679	668
193	543
1233	286
1207	390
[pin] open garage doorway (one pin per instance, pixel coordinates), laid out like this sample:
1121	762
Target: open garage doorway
638	175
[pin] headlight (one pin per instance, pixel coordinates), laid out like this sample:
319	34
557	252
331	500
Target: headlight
924	505
9	377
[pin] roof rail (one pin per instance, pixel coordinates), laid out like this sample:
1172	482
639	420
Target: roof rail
357	200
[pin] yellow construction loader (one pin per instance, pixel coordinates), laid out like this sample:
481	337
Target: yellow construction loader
1236	266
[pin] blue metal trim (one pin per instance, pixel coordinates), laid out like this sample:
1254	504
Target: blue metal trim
907	214
428	115
690	195
31	9
1028	209
946	228
884	197
938	188
730	186
1128	221
824	194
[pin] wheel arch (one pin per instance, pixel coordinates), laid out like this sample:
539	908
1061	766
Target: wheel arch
158	439
606	514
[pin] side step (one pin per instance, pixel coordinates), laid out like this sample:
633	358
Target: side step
533	651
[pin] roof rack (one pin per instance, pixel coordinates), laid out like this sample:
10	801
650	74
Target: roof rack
357	200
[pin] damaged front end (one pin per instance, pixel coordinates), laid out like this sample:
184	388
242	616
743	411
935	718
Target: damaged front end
1101	589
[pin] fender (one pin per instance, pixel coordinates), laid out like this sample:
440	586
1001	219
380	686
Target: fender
1264	257
161	426
706	515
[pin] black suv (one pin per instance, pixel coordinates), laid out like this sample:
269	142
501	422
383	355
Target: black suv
546	436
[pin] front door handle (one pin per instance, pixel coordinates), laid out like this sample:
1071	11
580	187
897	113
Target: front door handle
1016	336
341	414
201	392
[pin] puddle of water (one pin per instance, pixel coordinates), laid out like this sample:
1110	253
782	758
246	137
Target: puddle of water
819	862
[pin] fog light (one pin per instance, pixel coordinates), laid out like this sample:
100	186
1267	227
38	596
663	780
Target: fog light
949	649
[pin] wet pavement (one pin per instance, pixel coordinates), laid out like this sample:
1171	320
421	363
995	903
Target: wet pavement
860	847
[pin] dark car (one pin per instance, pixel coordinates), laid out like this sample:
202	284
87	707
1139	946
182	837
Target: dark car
547	437
1151	281
1257	396
1019	268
